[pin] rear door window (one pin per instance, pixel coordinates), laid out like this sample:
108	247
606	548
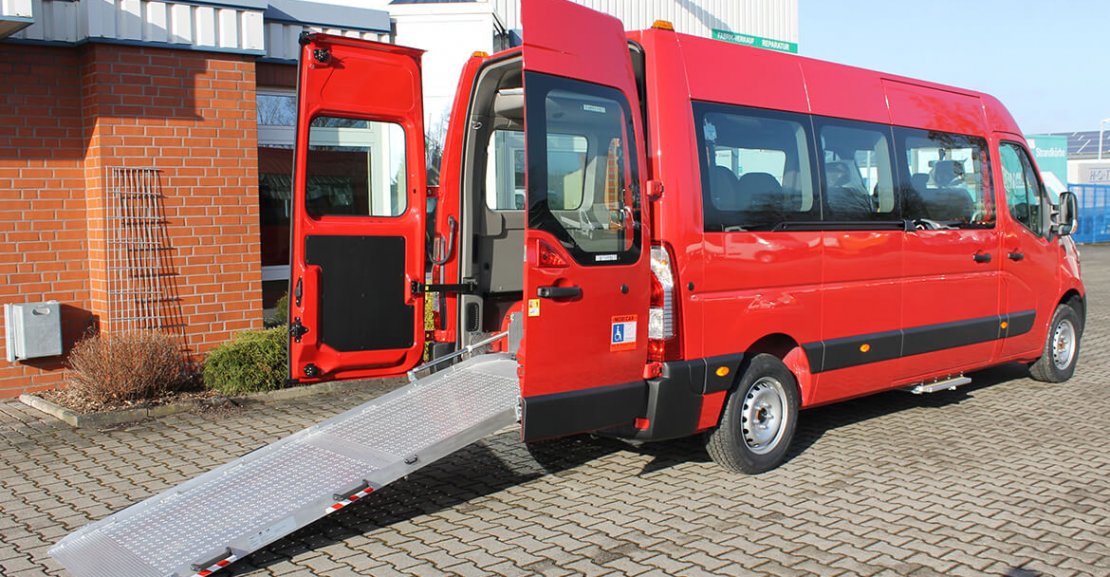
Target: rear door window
582	176
355	168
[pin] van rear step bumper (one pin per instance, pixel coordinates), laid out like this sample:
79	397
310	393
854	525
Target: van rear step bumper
223	515
945	385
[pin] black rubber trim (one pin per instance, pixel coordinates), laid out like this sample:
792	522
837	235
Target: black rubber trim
690	373
561	414
673	408
852	351
1020	323
674	399
362	292
715	383
921	340
875	347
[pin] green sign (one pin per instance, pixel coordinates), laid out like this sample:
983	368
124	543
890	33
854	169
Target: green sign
1051	152
757	41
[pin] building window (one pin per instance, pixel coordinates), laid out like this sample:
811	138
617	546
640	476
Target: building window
277	120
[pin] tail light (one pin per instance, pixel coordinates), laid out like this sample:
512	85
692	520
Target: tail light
663	341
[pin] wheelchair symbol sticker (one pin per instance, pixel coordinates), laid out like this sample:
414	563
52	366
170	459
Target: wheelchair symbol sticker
622	335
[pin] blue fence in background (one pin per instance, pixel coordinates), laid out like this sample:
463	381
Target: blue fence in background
1094	212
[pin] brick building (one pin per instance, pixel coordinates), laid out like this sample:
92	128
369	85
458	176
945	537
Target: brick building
135	138
146	145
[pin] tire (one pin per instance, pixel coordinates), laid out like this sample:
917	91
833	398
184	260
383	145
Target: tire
766	394
1061	347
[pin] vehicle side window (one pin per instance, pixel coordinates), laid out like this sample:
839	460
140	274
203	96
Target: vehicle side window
858	175
756	170
1023	190
582	175
945	179
355	168
505	170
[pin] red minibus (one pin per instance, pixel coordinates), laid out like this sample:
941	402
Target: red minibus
673	235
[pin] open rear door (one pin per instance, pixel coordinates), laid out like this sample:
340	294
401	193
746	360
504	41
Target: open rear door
358	211
586	275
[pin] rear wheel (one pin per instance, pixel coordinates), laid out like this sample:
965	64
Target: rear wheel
758	421
1061	347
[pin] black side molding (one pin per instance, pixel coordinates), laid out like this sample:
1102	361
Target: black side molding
875	347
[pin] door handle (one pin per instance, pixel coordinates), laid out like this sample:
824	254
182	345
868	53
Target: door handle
559	292
982	257
1016	256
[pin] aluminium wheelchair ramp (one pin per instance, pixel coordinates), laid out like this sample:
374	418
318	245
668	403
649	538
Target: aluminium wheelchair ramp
208	522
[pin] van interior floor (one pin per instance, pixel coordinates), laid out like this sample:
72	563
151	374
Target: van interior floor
229	512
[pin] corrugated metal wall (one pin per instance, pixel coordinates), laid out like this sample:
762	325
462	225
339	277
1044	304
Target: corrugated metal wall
776	19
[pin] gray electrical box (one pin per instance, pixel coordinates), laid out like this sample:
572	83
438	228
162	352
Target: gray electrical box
32	330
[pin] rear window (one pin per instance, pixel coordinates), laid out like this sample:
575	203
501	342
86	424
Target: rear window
756	168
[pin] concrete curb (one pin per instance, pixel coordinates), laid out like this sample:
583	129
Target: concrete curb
112	418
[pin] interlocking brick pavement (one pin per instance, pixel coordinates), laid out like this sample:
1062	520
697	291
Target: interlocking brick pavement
1001	476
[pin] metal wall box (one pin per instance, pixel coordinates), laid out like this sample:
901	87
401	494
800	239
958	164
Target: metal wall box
32	330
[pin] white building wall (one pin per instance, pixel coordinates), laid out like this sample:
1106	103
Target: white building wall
777	19
449	33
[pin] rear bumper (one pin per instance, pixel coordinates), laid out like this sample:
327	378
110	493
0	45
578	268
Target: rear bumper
674	399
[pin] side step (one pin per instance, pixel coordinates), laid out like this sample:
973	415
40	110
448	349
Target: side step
208	522
945	385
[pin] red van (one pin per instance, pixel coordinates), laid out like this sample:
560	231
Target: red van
673	235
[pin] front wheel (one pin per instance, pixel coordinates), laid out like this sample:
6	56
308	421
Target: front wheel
1061	347
758	421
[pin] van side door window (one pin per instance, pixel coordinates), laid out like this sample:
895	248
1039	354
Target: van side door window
945	181
1024	195
756	171
858	173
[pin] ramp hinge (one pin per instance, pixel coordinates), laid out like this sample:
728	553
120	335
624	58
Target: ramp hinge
468	286
202	565
297	330
345	496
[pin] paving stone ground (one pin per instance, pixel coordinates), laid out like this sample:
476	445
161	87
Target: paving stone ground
1005	476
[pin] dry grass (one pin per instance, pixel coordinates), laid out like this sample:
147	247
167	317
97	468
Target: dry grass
121	369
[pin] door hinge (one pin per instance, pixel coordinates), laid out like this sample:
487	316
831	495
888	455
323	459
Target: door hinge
468	286
297	330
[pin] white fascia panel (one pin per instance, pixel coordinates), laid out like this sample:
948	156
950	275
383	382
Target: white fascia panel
155	25
251	31
130	20
181	24
204	18
228	27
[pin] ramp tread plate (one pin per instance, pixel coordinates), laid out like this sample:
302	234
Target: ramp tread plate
277	489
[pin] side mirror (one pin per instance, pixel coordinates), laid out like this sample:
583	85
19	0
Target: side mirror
1067	218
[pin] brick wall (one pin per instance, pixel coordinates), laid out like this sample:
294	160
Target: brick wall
67	115
43	246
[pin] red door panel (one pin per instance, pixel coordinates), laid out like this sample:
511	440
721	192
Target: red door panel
586	276
358	211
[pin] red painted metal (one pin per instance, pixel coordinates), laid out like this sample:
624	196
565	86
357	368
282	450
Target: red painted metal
740	292
567	345
339	87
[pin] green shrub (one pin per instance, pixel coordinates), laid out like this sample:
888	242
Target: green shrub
254	361
281	312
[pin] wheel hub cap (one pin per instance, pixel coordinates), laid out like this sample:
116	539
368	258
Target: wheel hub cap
1063	344
762	419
